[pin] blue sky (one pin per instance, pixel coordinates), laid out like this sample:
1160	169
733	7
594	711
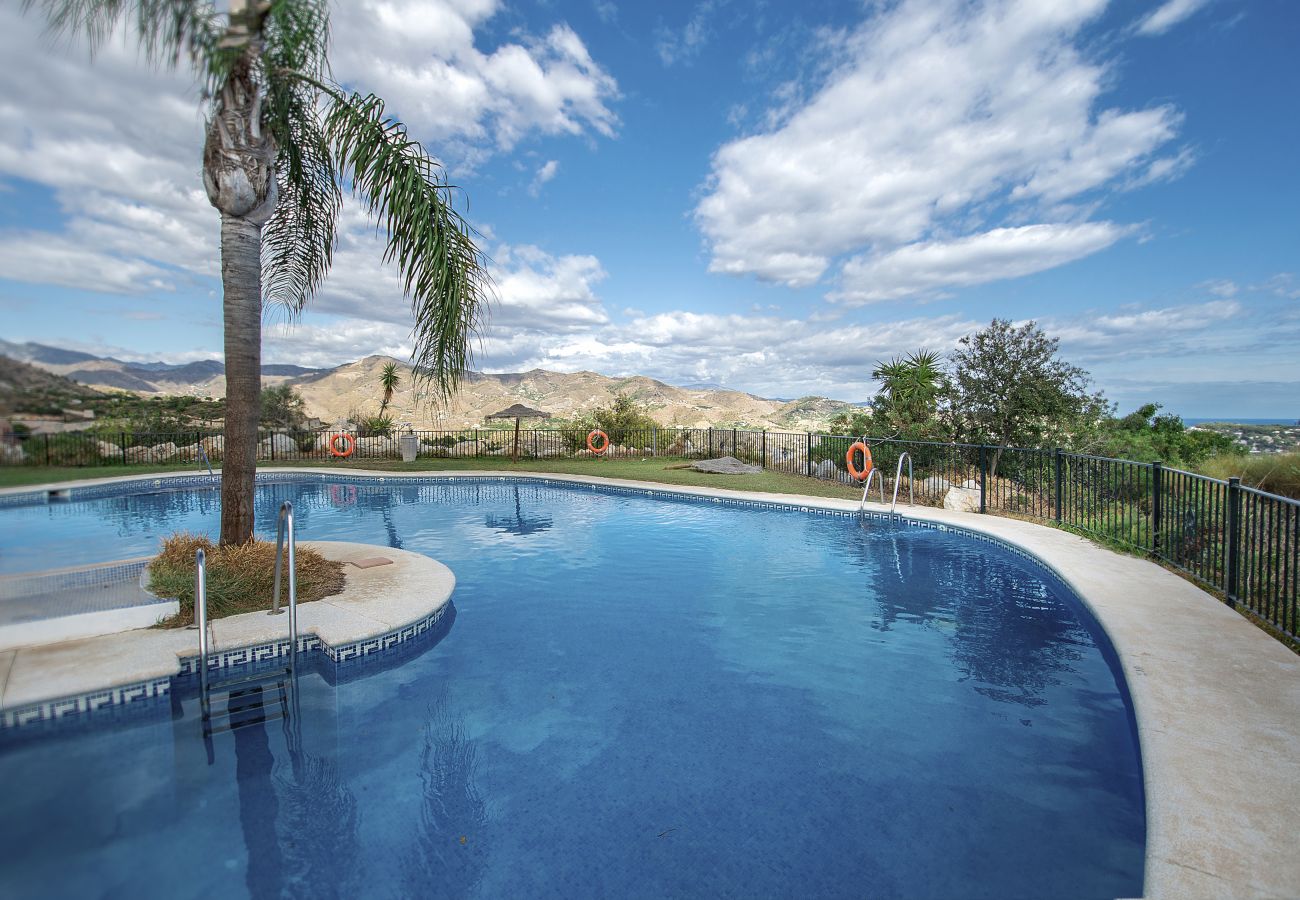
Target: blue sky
767	195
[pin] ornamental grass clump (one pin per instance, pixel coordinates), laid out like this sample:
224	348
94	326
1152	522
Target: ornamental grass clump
241	577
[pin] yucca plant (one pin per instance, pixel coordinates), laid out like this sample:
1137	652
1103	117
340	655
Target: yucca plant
282	143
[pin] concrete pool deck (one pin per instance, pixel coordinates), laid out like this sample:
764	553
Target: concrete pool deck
1216	700
376	600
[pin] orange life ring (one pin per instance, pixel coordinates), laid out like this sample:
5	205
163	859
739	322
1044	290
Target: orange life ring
346	439
866	461
591	442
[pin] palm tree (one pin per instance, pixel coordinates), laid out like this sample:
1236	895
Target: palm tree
388	380
282	141
910	387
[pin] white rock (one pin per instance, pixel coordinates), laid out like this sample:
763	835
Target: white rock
935	485
962	500
826	469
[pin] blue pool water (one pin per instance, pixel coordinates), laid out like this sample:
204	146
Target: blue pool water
636	697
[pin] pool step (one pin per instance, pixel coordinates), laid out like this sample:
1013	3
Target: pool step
247	701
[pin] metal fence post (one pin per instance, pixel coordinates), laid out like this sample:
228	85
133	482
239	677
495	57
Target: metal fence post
1234	540
807	456
762	456
734	442
710	440
1157	505
271	440
121	442
654	440
1059	465
47	448
984	507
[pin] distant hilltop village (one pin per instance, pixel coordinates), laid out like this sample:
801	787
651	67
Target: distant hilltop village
1259	438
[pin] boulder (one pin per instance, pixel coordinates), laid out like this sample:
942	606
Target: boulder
934	485
826	469
213	446
108	451
11	453
962	500
727	465
378	447
971	483
463	448
163	452
277	444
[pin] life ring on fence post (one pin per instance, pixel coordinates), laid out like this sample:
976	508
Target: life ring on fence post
591	442
867	464
347	439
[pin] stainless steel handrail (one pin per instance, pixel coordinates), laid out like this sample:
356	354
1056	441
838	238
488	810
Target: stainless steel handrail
898	474
867	489
207	462
284	525
201	619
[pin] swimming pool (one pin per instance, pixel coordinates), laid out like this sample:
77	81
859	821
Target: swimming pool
638	696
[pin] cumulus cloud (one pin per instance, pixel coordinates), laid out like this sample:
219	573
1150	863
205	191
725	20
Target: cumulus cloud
947	121
1169	14
422	57
119	144
927	266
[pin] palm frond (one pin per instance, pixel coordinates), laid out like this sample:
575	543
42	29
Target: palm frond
298	241
442	269
167	29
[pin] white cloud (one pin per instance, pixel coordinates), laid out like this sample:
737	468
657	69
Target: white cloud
928	266
421	57
1169	14
544	174
946	120
41	258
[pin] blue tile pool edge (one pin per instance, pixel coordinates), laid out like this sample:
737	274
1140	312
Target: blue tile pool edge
112	700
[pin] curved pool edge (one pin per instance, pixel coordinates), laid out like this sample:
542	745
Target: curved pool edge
1216	701
381	608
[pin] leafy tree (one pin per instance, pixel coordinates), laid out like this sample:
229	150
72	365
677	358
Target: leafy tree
1009	388
1146	436
623	417
282	407
388	380
282	141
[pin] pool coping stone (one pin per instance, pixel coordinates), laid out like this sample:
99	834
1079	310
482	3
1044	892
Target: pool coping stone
1216	700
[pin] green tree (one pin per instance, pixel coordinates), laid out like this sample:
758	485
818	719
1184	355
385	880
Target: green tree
388	380
910	388
282	407
1010	388
282	141
1146	436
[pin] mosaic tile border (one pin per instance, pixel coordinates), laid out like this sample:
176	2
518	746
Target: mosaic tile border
85	705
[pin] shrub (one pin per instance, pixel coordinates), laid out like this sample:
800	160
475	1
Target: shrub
241	577
375	426
1277	473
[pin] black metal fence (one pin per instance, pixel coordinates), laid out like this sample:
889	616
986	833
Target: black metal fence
1234	539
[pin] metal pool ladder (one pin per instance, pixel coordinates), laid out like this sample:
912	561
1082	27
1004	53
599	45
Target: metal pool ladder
880	481
266	695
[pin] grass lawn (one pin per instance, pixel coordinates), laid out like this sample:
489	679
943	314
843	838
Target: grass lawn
655	470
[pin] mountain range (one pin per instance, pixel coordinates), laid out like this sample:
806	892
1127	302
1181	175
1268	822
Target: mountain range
353	389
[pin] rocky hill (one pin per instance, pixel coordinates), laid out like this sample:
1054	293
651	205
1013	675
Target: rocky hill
26	388
353	389
205	378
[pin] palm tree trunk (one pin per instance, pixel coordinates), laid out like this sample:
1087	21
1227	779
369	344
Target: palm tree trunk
241	277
